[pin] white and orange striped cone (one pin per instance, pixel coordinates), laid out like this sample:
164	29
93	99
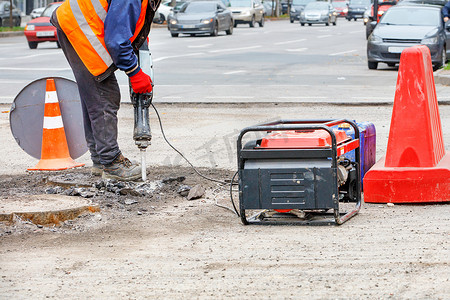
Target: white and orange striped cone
54	152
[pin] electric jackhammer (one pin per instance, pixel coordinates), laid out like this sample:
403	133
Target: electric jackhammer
141	102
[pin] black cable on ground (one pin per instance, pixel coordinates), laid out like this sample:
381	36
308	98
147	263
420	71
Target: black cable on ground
192	166
181	154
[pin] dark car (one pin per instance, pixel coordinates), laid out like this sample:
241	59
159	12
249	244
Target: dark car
5	14
356	9
297	7
40	30
405	26
200	17
318	13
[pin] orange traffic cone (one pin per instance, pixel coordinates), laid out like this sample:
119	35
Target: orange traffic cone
416	168
54	152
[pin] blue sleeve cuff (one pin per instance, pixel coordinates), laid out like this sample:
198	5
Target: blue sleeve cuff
134	72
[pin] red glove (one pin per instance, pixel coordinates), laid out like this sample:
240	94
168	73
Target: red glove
141	83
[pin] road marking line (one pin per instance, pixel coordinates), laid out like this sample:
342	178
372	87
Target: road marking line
200	46
343	52
324	36
177	56
234	72
231	97
34	69
296	50
28	56
289	42
234	49
12	81
303	97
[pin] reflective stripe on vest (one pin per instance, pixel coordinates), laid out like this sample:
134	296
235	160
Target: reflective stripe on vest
83	23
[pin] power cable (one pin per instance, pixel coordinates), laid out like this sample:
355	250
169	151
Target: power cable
195	169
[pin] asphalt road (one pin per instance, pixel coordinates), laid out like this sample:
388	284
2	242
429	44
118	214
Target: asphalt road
281	62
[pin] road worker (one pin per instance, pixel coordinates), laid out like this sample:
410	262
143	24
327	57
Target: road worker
98	37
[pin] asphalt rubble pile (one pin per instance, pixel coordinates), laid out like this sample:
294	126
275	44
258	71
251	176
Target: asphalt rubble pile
120	188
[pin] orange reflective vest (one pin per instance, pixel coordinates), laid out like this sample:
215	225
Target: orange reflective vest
83	23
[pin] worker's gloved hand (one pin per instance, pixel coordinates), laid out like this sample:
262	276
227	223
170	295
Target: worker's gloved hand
141	83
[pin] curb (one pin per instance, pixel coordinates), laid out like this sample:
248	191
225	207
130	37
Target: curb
11	33
442	78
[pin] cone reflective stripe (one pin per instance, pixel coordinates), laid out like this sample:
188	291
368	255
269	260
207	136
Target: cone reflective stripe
54	152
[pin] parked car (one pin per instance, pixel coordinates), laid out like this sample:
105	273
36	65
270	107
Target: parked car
269	7
297	7
200	17
37	12
5	14
383	6
40	30
341	7
356	9
165	9
247	12
405	26
318	13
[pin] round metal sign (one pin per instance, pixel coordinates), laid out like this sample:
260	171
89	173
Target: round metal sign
27	116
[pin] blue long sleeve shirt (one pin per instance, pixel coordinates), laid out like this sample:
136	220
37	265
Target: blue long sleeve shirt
120	25
446	10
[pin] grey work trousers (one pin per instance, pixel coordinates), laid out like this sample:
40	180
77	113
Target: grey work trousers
100	101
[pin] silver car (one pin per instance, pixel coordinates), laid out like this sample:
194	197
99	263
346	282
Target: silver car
406	26
199	17
247	12
318	13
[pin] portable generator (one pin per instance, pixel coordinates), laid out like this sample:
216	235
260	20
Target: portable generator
298	172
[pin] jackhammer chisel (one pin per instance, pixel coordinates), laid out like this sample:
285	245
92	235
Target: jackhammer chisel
141	102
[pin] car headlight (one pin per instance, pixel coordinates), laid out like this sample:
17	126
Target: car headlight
173	22
430	40
302	13
245	13
345	10
293	10
374	38
29	27
207	21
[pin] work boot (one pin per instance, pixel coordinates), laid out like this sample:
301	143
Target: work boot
97	169
122	169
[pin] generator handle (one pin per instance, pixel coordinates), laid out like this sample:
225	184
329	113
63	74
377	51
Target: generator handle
284	125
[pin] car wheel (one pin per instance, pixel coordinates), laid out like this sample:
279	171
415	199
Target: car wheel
303	24
349	19
252	22
215	31
327	23
292	21
162	19
391	64
309	24
372	65
32	45
261	23
235	24
18	21
335	21
354	19
443	60
230	30
174	34
1	22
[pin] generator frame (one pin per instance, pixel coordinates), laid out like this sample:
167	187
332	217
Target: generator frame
318	213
